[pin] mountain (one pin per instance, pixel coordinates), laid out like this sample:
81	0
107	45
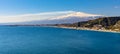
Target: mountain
74	17
75	14
67	18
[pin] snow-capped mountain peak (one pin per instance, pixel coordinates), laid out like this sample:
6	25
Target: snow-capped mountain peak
75	14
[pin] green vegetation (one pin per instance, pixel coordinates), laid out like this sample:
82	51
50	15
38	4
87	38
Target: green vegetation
109	23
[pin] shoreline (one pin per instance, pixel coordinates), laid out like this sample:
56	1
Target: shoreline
86	29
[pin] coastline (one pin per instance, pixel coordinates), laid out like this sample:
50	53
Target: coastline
79	28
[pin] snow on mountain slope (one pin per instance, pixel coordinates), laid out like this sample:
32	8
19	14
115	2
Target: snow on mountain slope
72	18
76	14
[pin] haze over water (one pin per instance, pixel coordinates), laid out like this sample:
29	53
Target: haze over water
47	40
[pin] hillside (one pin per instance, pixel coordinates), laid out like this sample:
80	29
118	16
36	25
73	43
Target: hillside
116	26
105	23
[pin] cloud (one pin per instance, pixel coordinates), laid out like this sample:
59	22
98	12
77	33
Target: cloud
32	17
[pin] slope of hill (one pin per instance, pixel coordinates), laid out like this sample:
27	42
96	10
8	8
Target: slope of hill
116	26
105	22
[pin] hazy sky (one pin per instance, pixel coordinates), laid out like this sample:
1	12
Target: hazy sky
18	7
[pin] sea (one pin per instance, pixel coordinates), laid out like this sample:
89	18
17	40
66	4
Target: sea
49	40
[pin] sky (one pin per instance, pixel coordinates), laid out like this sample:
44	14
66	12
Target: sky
19	7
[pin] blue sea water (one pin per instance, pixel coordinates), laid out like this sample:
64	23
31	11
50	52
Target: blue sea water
48	40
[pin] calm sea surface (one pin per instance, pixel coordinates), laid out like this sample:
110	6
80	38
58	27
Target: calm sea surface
48	40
